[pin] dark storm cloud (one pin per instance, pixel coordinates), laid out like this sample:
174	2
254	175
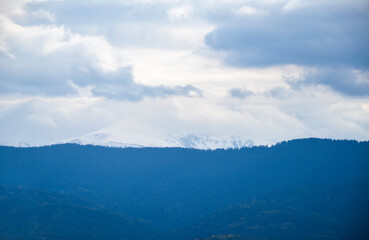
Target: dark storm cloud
346	81
312	37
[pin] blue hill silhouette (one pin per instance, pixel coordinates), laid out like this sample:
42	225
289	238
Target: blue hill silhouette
176	193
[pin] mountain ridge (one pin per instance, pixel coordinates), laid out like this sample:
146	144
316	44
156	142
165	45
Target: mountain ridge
163	140
171	188
189	141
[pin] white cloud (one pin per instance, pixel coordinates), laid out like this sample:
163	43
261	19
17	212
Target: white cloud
247	10
13	8
47	58
260	117
42	40
44	14
44	120
5	49
179	13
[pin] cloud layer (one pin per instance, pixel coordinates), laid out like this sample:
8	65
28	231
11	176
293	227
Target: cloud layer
265	70
51	60
345	81
316	35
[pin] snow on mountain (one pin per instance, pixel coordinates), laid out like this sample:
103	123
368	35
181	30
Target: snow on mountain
161	140
203	142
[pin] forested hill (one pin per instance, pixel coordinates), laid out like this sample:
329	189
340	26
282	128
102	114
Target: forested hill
166	192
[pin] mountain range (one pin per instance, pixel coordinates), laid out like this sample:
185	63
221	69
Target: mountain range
161	140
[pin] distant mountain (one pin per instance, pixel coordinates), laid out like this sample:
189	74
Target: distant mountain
161	140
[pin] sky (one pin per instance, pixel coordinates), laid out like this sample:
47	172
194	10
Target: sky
266	70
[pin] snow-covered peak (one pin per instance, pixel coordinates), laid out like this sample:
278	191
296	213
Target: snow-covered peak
204	142
161	140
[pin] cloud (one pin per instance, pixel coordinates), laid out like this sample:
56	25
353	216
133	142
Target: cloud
279	92
240	93
44	15
179	13
70	68
346	81
44	120
136	92
45	59
310	35
149	24
247	10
